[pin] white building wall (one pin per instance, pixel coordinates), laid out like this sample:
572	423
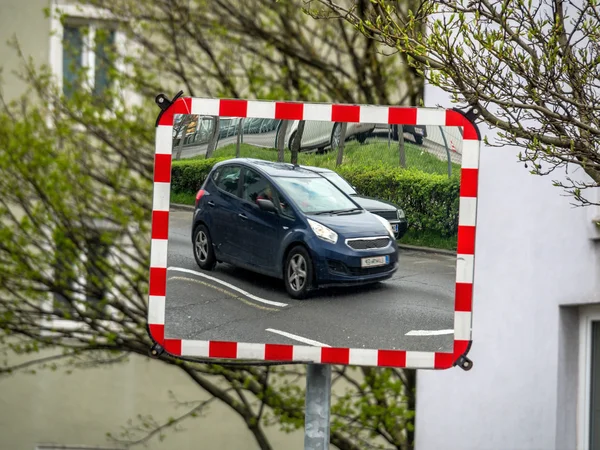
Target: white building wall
534	253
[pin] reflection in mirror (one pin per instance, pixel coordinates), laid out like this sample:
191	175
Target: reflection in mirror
304	232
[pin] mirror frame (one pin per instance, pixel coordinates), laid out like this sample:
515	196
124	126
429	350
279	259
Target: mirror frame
286	110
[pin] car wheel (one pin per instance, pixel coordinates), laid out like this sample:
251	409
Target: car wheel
336	136
291	140
203	248
361	138
418	139
298	273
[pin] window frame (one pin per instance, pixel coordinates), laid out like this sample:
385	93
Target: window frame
587	315
86	14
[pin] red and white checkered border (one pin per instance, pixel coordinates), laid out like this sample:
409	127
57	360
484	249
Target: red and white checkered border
322	112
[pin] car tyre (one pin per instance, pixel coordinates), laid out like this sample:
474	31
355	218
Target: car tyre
418	139
204	254
298	273
336	136
291	140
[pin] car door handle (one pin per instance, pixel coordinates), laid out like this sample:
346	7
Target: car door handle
211	203
242	216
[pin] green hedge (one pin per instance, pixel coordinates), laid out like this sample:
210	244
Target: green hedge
430	201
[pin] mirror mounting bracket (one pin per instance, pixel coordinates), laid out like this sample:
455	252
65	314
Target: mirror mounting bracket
463	361
156	350
164	103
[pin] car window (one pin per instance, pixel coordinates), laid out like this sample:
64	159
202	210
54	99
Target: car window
258	187
315	194
228	179
336	179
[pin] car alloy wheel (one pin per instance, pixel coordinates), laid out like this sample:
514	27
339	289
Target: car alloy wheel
203	251
336	136
298	272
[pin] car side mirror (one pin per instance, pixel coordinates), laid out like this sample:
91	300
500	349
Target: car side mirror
266	205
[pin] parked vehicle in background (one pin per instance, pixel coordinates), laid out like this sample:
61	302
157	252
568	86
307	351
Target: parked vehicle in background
291	223
323	135
418	132
392	213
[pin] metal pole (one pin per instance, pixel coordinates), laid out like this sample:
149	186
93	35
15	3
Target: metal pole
447	152
318	405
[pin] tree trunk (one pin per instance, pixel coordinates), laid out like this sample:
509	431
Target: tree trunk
214	138
401	150
340	153
296	142
239	139
283	127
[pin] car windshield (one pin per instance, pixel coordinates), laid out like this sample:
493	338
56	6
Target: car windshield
315	195
339	182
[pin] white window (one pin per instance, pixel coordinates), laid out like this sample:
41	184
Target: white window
83	44
588	414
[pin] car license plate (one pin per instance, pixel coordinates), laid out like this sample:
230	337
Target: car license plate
374	261
395	227
419	130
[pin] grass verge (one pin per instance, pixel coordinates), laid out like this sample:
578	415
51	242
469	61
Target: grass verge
429	240
183	198
371	154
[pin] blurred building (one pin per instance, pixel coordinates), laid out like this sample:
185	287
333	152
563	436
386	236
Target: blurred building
536	319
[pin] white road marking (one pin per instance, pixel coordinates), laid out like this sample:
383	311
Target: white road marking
295	337
428	332
230	286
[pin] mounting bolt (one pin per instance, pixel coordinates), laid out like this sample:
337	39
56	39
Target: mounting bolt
155	351
466	364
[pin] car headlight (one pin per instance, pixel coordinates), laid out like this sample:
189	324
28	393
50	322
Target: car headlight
400	214
386	224
322	232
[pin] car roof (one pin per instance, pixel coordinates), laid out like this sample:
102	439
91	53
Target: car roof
271	168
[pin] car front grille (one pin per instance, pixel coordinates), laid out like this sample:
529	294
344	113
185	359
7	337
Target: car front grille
364	271
367	244
389	215
339	267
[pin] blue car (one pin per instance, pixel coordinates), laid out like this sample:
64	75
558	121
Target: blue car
287	222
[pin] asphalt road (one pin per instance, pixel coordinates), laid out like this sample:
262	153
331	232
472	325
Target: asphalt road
411	311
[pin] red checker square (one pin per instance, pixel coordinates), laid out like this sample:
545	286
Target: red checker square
160	224
463	297
233	108
182	106
162	168
158	281
470	132
402	116
222	349
468	182
173	346
443	360
332	355
455	119
393	358
279	352
157	332
466	240
345	113
289	111
460	347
